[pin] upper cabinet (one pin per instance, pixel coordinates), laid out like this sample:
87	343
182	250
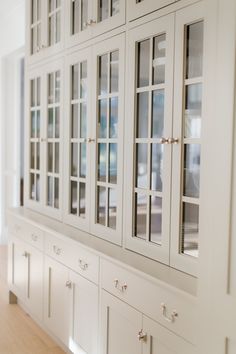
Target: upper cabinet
139	8
163	140
90	18
45	28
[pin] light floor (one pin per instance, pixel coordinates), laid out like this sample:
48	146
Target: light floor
18	333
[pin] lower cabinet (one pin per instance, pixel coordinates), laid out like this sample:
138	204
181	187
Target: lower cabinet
26	275
71	308
127	331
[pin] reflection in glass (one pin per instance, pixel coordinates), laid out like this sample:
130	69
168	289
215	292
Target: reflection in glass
32	187
56	193
102	156
75	16
33	11
84	14
83	160
57	86
158	103
113	163
33	93
50	157
102	119
50	191
83	80
83	120
103	74
190	229
103	10
113	117
112	208
73	207
193	111
50	88
143	63
33	124
142	115
50	122
157	151
114	71
38	124
32	159
115	7
192	156
140	216
194	38
57	158
57	122
38	91
37	187
75	82
74	127
82	200
156	220
159	59
141	166
51	29
58	27
38	156
101	208
74	159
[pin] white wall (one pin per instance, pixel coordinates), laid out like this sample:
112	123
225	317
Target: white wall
12	40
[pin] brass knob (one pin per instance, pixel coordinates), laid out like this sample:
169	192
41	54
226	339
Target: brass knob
90	140
25	254
142	336
164	140
173	141
69	284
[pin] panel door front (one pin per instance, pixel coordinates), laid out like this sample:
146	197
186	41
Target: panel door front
20	268
161	341
84	316
56	299
138	8
120	325
149	138
107	139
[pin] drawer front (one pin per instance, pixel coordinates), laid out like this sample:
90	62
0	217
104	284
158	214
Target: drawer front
27	232
174	310
74	257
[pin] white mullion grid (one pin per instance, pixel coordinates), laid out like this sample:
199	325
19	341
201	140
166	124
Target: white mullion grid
107	138
108	95
53	174
35	24
150	87
78	101
78	146
148	192
106	184
191	200
54	105
192	81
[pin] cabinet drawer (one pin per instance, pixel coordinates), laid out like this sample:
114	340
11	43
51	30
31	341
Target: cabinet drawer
74	257
27	232
170	307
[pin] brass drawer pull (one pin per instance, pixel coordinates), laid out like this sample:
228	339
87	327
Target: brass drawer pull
121	288
83	265
142	336
173	314
57	250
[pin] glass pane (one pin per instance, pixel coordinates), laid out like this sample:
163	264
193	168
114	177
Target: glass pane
74	127
158	104
73	207
38	156
34	40
101	208
194	50
83	80
192	156
75	82
103	74
102	162
113	163
75	16
50	88
38	10
83	120
58	27
37	187
74	160
83	160
57	122
50	191
112	209
159	59
38	124
156	220
52	5
115	7
142	115
157	167
193	111
113	117
140	216
32	187
56	193
39	35
33	124
103	10
33	93
190	229
50	157
38	92
141	169
50	122
33	11
57	86
32	158
143	63
57	158
102	119
84	14
51	29
82	200
114	71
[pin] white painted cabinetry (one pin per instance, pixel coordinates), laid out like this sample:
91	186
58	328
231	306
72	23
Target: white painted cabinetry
139	8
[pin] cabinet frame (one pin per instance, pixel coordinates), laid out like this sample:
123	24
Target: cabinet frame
136	10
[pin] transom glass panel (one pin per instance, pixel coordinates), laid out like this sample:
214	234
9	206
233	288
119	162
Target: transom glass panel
192	117
36	26
53	139
107	139
35	132
78	139
149	152
54	21
107	9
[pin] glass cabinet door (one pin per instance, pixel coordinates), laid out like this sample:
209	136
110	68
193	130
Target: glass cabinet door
107	152
138	8
188	121
54	16
77	156
148	144
35	25
35	178
108	14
